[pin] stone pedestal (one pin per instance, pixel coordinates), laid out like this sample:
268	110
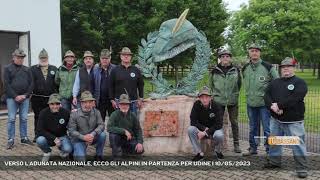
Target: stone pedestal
167	123
159	142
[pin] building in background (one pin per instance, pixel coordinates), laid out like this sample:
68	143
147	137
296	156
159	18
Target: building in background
30	25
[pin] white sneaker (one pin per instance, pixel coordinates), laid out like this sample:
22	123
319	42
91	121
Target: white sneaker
63	154
46	157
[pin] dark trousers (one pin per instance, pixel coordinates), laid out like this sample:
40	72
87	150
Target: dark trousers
233	117
105	105
38	103
120	145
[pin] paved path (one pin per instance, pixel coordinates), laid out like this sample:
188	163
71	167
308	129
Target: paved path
167	173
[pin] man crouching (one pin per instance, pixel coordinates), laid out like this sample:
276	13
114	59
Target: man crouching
52	128
124	129
206	122
86	128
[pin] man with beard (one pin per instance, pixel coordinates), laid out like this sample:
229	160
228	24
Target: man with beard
43	77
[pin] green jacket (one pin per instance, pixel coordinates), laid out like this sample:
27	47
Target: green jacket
119	122
256	78
65	80
225	83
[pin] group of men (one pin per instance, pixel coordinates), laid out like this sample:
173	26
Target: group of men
276	103
70	103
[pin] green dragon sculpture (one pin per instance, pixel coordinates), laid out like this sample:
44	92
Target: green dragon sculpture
174	37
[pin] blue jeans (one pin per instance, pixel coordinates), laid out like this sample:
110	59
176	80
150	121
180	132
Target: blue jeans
217	136
133	106
256	116
66	146
13	107
80	147
299	151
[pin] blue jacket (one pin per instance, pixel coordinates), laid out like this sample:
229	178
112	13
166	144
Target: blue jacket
97	80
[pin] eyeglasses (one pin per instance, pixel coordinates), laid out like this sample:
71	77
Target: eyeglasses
225	56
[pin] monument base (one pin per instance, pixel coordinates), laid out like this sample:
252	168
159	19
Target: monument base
159	142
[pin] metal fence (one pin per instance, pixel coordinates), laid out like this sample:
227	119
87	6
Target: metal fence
311	121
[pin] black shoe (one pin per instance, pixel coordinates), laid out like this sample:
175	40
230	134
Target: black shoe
117	158
70	157
302	174
220	155
26	141
198	157
10	144
268	165
98	158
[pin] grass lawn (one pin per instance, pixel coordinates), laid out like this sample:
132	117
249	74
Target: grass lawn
312	100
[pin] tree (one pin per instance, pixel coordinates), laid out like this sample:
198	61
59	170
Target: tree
96	24
282	27
81	26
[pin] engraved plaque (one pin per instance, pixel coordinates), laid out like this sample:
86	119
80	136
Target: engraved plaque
161	123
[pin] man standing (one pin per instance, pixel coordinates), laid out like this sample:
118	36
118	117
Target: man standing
18	87
124	129
257	74
206	122
43	75
65	77
126	79
86	128
285	99
101	74
52	129
84	78
225	85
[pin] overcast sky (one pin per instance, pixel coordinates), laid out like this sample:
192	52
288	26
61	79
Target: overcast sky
234	5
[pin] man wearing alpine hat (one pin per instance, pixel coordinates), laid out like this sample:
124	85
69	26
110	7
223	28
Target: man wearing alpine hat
87	128
257	74
52	128
124	129
126	79
43	75
285	99
206	122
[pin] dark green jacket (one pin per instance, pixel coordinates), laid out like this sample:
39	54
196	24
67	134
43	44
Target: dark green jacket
65	80
256	78
225	84
119	122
